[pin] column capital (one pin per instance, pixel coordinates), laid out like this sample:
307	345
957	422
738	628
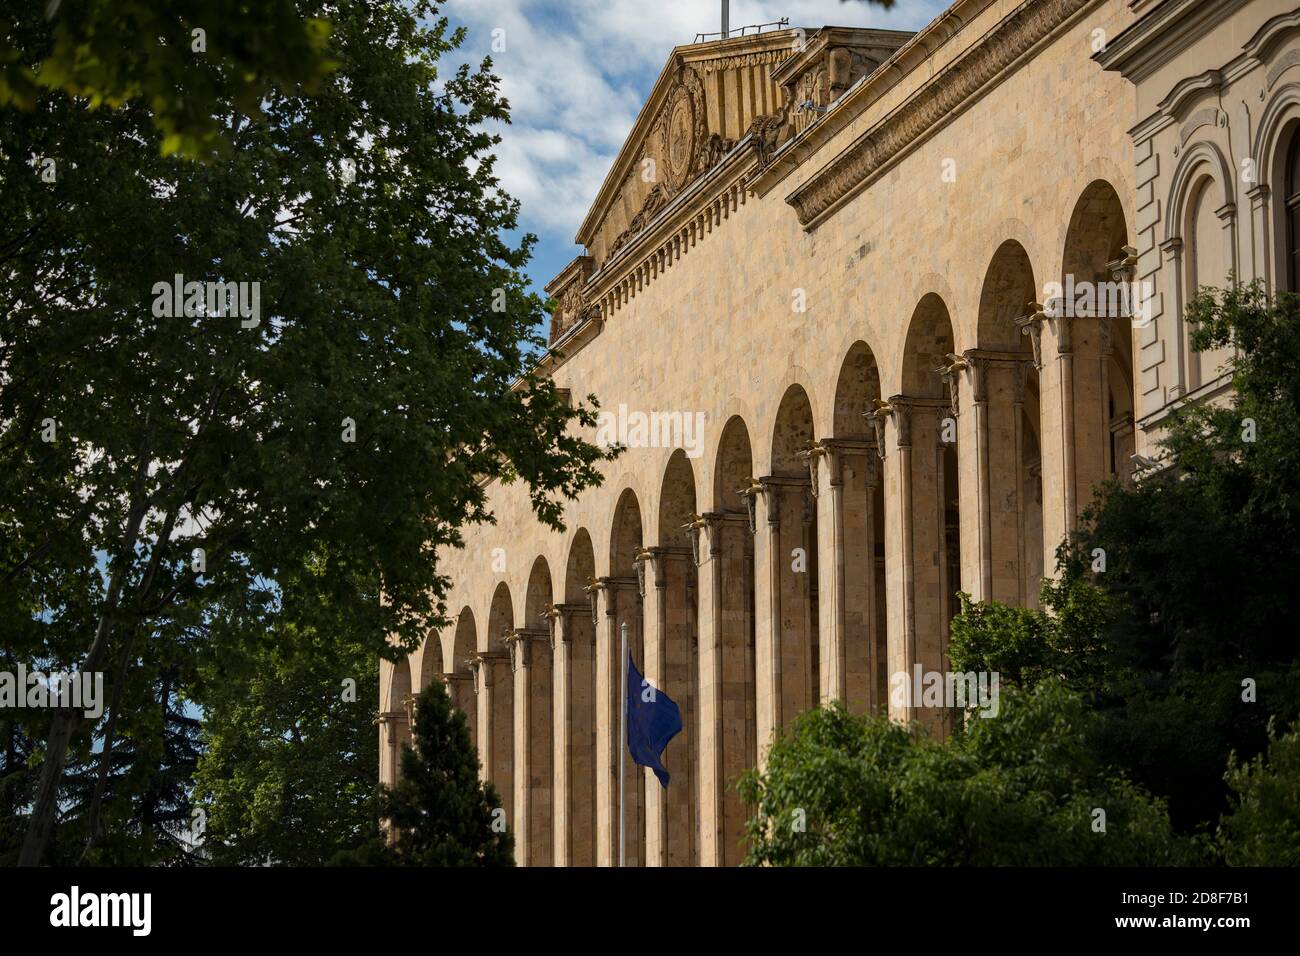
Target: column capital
904	408
772	488
840	448
561	618
519	643
481	664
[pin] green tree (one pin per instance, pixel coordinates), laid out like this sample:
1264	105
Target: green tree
185	59
1263	826
290	755
1021	789
443	815
159	472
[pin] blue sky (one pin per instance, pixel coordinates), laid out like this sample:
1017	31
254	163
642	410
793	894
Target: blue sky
576	73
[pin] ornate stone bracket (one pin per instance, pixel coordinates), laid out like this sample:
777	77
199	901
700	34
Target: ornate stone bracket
881	411
1032	326
750	494
481	665
948	371
809	455
640	559
520	644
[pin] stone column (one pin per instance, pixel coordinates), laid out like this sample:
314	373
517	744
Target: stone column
531	662
1073	457
460	689
496	728
670	666
915	549
846	568
622	605
394	731
765	527
786	567
728	737
993	496
573	719
1261	246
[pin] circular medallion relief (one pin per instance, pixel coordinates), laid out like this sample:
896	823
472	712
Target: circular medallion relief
681	138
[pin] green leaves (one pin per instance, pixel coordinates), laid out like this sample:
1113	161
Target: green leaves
185	59
194	434
1017	790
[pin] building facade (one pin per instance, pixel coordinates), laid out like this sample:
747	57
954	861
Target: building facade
873	313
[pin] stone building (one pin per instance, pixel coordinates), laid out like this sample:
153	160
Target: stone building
874	313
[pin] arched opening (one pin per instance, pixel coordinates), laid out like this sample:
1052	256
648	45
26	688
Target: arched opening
853	650
1090	371
396	717
1209	263
575	711
791	671
671	661
623	607
496	702
729	663
1004	544
923	541
534	719
460	679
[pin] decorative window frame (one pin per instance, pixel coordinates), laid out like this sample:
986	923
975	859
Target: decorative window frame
1201	161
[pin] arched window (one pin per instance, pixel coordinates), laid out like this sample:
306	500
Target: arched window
1208	266
1293	214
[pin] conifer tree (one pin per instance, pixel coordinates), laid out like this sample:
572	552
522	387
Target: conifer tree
442	813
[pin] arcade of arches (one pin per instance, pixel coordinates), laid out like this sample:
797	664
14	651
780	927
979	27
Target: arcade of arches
930	416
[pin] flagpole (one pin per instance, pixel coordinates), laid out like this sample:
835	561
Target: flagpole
622	746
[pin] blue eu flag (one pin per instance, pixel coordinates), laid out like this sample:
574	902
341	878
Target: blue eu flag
653	719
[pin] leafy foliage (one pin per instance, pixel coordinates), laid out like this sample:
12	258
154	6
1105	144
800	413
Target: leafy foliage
289	769
1016	790
1263	827
159	475
184	59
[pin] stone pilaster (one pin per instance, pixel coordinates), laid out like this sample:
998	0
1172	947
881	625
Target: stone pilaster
573	718
530	656
848	476
916	546
496	725
670	665
620	604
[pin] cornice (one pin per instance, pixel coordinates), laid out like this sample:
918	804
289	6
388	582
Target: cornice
1162	33
947	93
849	106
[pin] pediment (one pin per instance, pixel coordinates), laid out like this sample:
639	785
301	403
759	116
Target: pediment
706	98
